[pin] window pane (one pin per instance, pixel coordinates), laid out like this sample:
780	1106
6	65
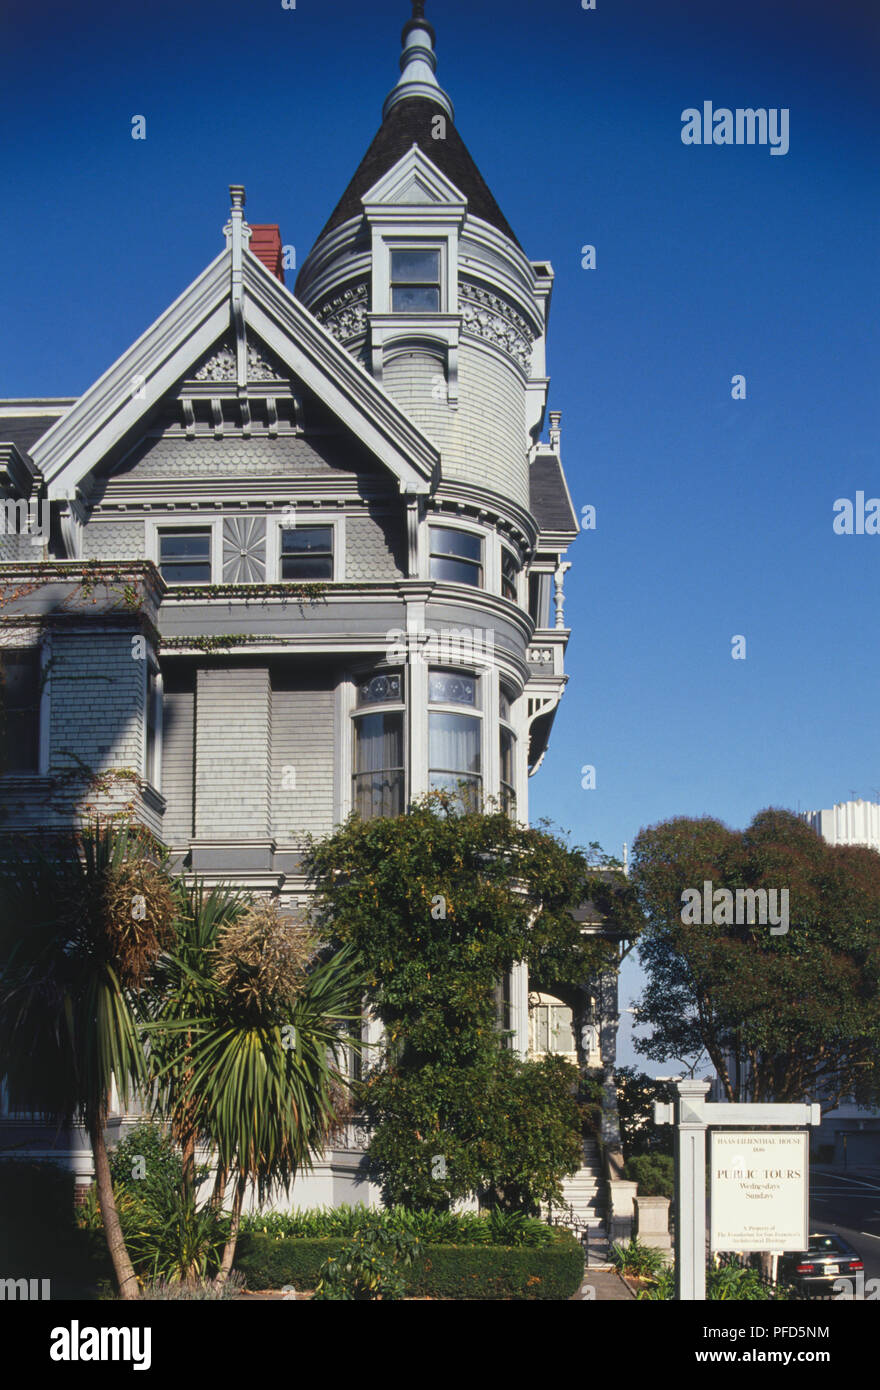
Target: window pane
504	704
378	760
308	567
20	710
465	791
508	574
378	794
541	1028
416	266
307	540
446	540
508	745
185	557
446	689
379	689
185	545
454	743
415	299
378	742
562	1031
450	571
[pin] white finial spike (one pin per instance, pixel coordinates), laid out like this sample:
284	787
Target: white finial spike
238	234
418	64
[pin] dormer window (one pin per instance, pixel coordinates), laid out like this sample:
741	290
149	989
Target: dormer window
415	281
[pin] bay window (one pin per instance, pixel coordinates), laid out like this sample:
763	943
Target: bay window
378	779
456	556
455	738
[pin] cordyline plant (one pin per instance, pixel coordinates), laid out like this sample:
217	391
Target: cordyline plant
789	1016
81	924
249	1041
440	903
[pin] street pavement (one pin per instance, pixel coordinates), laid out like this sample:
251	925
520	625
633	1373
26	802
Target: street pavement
848	1201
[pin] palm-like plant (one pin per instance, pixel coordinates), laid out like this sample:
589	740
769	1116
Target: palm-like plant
263	1078
180	991
81	925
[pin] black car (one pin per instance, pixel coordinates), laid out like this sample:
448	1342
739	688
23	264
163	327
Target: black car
813	1272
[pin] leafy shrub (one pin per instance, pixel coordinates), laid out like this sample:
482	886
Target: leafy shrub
169	1237
428	1227
637	1259
654	1173
661	1286
441	1271
726	1283
371	1267
149	1148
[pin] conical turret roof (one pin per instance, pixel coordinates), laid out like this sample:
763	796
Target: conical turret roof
410	118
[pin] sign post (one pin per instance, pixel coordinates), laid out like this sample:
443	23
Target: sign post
692	1114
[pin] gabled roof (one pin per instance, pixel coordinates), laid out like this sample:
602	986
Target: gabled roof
412	122
142	376
550	500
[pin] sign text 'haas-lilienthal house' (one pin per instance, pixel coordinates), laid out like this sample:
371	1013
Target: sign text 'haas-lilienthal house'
338	534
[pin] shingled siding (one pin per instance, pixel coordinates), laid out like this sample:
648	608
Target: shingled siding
232	753
96	701
178	755
113	540
303	756
483	441
375	547
173	456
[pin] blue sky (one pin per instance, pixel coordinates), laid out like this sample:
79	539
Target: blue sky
714	515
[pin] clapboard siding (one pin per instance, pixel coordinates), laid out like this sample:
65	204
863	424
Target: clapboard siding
303	755
232	752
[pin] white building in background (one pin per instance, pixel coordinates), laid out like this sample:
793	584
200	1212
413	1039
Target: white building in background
848	823
853	1131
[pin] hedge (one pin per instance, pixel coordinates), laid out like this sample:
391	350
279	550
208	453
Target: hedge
443	1271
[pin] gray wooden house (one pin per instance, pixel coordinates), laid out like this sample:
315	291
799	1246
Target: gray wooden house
300	549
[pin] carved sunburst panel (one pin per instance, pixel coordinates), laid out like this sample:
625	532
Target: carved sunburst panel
244	550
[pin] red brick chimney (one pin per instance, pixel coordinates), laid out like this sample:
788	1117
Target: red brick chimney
265	244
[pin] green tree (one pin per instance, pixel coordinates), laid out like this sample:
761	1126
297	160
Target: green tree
440	903
636	1094
80	927
784	1016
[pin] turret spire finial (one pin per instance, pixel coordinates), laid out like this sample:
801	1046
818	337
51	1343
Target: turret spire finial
418	64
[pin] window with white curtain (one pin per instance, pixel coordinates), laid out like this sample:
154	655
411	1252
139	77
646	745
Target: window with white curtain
455	738
378	779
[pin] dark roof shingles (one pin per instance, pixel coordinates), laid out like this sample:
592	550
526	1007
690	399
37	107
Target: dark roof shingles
550	504
410	123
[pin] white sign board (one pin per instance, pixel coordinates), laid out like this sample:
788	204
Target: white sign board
759	1190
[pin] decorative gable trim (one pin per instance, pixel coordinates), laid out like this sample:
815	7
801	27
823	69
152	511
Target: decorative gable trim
184	335
414	180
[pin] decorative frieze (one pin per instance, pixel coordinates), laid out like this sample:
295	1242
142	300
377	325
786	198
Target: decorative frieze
221	366
491	318
345	315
